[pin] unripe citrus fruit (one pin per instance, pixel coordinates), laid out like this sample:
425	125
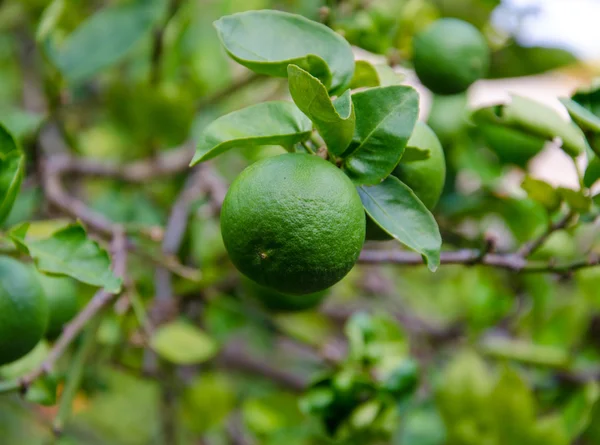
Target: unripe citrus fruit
450	55
281	302
23	310
425	177
61	294
294	223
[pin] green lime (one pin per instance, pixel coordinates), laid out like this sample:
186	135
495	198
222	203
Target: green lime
448	117
294	223
23	310
61	293
281	302
449	55
425	177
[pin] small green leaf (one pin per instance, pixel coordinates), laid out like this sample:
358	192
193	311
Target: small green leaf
12	169
385	119
49	19
578	411
583	117
268	41
267	123
368	75
183	343
334	120
532	117
576	199
542	192
592	171
397	210
104	39
43	391
69	252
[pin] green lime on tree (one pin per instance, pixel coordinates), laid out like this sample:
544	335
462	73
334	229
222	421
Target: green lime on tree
23	310
293	223
425	177
61	294
281	302
449	55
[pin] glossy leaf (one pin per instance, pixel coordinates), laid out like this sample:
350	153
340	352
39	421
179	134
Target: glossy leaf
334	120
385	119
267	123
397	210
532	117
268	41
69	252
104	39
369	75
183	344
12	169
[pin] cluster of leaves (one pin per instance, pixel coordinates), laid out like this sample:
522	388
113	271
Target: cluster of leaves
366	133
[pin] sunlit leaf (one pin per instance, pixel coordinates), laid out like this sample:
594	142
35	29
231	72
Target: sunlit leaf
182	343
268	41
385	118
69	251
396	209
267	123
334	120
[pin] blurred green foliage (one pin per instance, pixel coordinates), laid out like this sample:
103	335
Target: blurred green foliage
402	375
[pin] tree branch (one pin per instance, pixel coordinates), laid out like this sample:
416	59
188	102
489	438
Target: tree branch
530	247
510	261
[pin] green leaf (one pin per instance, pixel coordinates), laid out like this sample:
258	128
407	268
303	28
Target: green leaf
592	172
397	210
542	192
267	123
43	391
104	39
577	413
532	117
576	199
69	252
183	344
368	75
12	169
513	408
385	119
49	19
583	117
334	120
526	352
268	41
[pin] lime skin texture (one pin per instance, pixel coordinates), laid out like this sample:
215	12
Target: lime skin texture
293	223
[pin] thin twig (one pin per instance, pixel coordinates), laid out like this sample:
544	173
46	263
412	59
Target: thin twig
510	261
530	247
235	357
